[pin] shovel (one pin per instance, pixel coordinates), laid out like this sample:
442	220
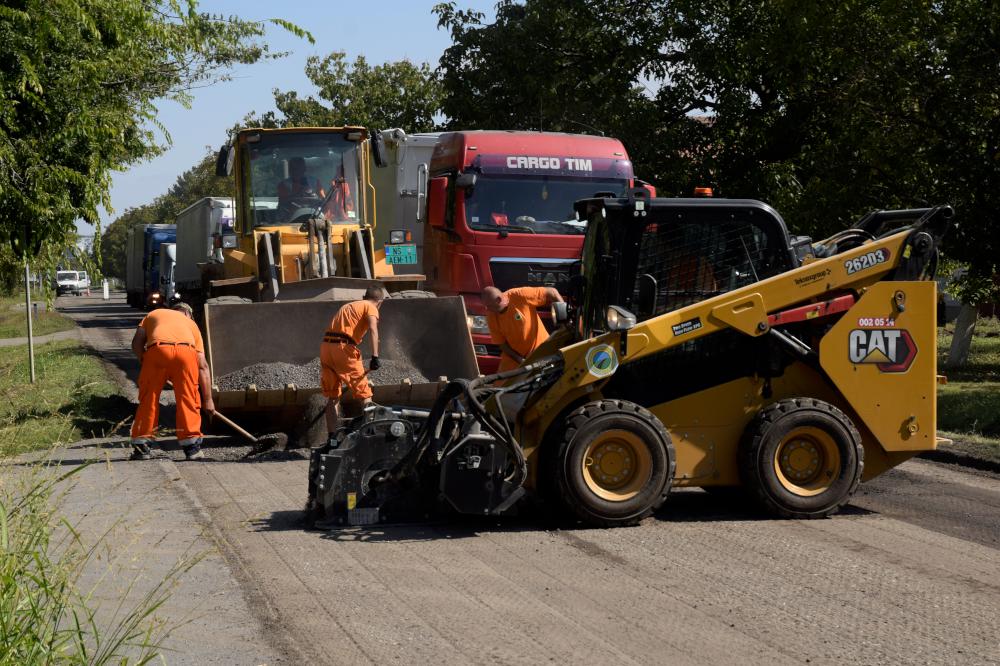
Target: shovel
278	440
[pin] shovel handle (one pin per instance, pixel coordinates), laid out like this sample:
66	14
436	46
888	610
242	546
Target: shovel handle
235	426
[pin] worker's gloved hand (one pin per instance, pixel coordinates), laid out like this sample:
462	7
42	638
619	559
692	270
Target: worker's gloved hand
374	364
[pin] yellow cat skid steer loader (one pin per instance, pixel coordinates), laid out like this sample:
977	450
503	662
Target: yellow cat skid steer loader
704	347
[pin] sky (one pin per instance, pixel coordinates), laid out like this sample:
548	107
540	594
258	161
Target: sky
381	30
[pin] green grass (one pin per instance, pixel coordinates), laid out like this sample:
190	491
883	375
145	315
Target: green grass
977	446
73	398
14	324
969	404
984	354
45	616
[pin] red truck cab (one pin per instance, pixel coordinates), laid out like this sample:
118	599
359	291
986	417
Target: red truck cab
500	212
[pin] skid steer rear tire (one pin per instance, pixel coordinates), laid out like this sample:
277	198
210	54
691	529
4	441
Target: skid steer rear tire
614	464
413	293
801	458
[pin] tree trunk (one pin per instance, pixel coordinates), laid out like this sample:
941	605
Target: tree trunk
965	326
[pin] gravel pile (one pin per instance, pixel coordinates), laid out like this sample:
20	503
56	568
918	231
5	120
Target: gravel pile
267	376
395	371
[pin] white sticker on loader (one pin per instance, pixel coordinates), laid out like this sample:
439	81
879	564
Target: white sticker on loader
602	360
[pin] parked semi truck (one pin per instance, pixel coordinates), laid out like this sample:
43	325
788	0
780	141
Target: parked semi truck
495	208
142	264
203	229
401	187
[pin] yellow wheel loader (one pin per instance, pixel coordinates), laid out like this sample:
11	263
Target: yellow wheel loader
305	217
703	347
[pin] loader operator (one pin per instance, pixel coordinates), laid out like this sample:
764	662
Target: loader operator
169	346
514	323
298	185
343	374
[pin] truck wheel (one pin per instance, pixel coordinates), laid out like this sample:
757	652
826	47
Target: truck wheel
614	464
412	293
801	458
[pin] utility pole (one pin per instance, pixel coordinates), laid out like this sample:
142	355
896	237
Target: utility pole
27	311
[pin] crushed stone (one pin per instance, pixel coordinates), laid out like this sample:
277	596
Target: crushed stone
276	375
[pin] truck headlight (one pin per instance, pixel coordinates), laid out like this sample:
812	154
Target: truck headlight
478	324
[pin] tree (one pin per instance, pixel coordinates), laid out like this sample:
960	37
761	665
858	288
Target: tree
563	65
78	82
197	182
394	94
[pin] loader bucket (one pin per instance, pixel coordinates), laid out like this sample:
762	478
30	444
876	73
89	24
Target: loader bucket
322	289
431	333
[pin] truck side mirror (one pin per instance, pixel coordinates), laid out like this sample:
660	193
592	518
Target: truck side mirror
437	193
221	160
465	181
378	150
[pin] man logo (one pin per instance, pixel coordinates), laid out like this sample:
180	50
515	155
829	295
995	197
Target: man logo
602	360
889	349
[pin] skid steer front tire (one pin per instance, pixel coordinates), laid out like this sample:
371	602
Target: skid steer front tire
801	458
614	464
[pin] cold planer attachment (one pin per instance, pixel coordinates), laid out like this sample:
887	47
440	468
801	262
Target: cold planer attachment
397	464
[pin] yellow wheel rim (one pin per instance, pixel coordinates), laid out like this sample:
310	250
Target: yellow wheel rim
617	465
807	461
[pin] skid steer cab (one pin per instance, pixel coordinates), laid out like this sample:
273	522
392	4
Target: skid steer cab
703	346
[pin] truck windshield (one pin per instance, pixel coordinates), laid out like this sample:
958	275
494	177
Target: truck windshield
288	176
67	276
532	205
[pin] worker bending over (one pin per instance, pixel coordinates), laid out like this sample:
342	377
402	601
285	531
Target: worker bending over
169	346
514	323
343	374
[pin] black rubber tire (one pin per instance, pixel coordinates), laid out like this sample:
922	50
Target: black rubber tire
766	432
581	426
413	293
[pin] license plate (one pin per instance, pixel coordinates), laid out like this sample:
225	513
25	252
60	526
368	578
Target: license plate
401	254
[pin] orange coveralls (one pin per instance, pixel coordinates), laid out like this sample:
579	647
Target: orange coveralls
172	345
339	355
519	325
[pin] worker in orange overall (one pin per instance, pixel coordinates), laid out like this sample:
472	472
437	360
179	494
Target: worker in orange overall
169	346
514	323
343	375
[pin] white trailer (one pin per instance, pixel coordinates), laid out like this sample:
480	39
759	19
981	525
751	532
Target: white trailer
198	226
134	277
168	263
405	181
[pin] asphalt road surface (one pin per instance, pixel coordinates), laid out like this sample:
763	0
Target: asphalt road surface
909	572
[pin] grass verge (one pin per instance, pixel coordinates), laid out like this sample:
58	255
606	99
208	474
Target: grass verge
73	398
976	446
984	353
14	324
969	404
45	617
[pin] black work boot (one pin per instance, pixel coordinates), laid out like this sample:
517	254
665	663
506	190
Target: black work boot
140	451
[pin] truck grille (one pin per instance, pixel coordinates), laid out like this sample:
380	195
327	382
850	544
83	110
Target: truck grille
510	272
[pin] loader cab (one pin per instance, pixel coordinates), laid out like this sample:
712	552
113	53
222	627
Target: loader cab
652	256
284	177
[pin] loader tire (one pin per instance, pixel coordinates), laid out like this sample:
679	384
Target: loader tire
413	293
801	458
615	463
